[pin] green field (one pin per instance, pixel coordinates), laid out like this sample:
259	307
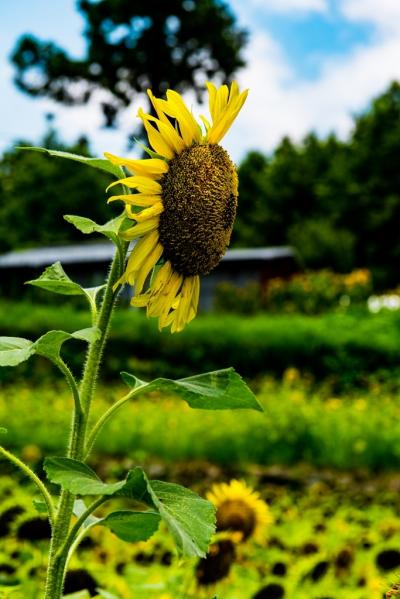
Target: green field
323	454
328	539
301	422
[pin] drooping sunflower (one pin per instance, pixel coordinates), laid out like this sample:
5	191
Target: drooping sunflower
183	202
240	509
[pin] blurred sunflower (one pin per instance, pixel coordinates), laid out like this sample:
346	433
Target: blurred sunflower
240	509
184	203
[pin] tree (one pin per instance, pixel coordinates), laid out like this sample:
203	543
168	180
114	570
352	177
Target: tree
337	203
132	46
373	211
36	191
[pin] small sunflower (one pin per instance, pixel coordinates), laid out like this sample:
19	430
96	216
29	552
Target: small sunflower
240	509
183	203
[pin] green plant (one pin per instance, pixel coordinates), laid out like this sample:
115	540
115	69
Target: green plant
312	292
189	518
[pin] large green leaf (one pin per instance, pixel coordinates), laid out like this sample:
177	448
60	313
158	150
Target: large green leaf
99	163
88	226
80	509
218	390
190	519
14	350
128	525
132	526
55	279
77	477
49	345
78	595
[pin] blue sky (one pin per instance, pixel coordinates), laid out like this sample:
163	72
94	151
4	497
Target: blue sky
311	65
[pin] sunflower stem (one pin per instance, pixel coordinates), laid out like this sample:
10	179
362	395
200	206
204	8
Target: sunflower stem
34	478
58	558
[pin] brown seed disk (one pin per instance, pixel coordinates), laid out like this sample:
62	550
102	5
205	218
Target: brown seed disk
234	514
199	193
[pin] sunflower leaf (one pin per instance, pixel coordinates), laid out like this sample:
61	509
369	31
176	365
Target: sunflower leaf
132	526
99	163
218	390
14	350
189	518
77	477
88	226
80	509
40	505
55	279
49	345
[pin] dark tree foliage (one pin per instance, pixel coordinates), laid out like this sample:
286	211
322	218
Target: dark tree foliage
132	46
337	202
37	190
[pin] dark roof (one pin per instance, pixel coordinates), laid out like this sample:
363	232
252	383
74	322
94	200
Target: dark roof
103	252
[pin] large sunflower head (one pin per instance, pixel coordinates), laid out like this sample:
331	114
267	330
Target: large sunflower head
183	203
240	509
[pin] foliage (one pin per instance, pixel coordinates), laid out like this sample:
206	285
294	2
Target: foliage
302	423
189	518
345	346
131	47
332	536
30	185
336	202
306	293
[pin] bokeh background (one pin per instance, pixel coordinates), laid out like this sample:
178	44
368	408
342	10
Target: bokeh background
305	304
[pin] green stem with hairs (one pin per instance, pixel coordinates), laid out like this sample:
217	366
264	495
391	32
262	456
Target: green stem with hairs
35	479
102	421
58	557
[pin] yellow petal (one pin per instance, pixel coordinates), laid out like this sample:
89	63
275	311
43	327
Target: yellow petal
143	184
140	229
161	302
187	123
221	100
162	277
140	301
157	105
169	134
183	308
147	266
220	128
156	140
142	249
195	298
212	94
149	212
166	321
148	167
136	199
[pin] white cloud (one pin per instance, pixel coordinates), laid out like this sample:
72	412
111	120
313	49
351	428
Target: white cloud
284	6
281	103
383	14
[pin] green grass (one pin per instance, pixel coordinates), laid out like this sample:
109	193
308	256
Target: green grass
345	346
301	423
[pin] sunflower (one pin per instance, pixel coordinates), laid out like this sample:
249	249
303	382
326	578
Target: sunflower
240	509
183	203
